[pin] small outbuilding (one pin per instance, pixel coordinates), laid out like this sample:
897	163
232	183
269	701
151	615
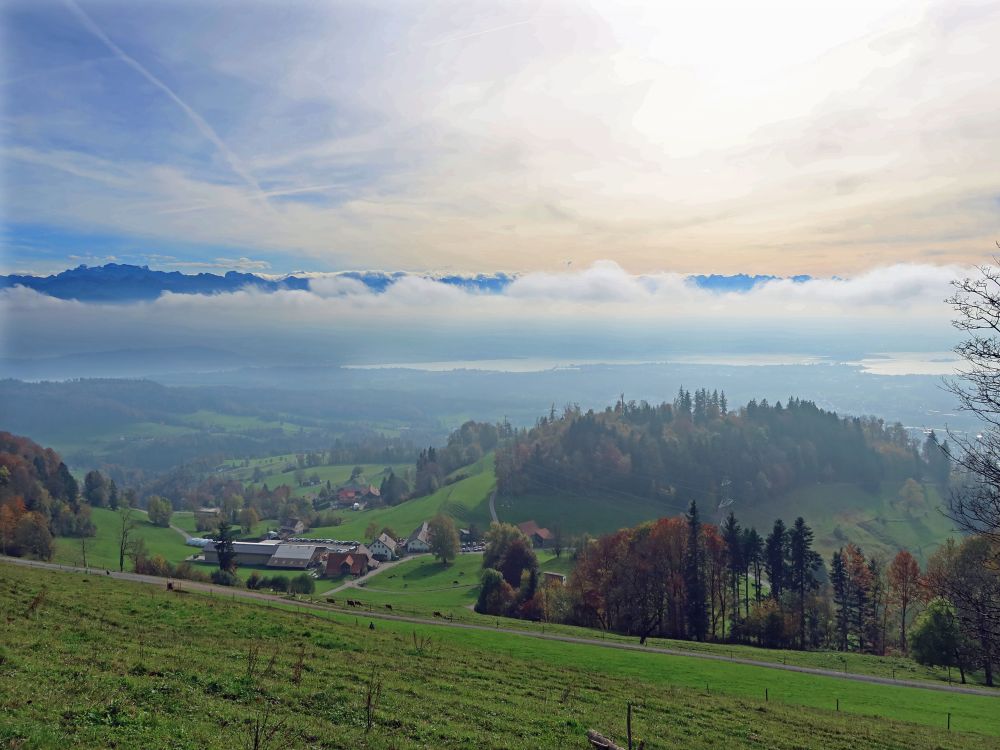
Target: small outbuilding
539	536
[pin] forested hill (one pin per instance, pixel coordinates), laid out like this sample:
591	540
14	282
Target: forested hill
697	448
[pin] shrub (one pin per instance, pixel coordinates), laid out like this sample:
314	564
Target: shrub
303	584
225	578
278	583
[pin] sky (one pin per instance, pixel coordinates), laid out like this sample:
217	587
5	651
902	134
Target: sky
599	150
782	138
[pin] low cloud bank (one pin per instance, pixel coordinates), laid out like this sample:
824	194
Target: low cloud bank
342	313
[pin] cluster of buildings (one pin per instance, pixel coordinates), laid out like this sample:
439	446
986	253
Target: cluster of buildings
330	557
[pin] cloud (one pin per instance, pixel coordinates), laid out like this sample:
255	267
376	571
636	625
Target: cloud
589	313
521	135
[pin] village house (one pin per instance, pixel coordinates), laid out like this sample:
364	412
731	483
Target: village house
548	577
540	537
247	553
384	548
419	540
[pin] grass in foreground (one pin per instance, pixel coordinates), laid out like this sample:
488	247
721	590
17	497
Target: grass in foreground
138	666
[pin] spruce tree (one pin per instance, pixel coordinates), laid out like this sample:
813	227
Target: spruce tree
732	535
838	579
775	552
694	578
804	562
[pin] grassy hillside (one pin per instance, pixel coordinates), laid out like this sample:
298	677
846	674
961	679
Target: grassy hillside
838	513
877	522
102	549
578	513
336	475
139	666
467	501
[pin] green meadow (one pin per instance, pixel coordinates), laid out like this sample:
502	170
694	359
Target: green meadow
139	666
467	501
102	549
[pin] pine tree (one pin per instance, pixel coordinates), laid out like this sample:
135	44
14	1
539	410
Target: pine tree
732	535
224	547
838	579
753	557
775	552
694	578
804	562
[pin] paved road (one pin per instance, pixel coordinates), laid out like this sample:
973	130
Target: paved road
307	607
493	509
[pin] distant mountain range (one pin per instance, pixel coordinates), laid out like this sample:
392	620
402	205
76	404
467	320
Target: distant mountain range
116	282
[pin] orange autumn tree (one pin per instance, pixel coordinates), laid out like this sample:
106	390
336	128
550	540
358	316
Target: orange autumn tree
904	585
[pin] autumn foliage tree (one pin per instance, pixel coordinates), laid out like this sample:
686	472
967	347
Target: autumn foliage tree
904	586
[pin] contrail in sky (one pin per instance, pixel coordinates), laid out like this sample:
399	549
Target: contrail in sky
471	34
265	193
199	122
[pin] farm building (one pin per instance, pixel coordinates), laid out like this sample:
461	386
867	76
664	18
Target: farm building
356	491
420	539
384	548
548	577
356	562
296	556
207	514
539	536
247	553
292	528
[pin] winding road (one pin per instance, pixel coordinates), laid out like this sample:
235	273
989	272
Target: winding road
306	608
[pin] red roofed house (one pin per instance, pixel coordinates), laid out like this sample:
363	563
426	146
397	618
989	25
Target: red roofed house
354	563
539	536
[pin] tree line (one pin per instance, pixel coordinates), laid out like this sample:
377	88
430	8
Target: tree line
697	445
39	499
681	578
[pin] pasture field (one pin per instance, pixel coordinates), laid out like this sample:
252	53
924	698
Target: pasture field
102	549
467	501
876	522
421	586
185	520
335	475
838	513
139	666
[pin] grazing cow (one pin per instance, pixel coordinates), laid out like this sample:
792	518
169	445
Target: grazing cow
371	626
438	614
388	607
455	583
